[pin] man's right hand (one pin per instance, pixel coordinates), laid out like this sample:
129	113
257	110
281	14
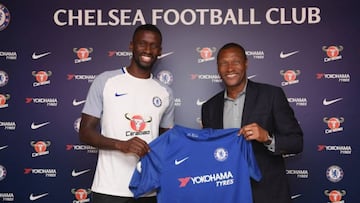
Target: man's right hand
134	145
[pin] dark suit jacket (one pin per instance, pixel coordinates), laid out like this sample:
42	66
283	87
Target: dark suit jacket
267	106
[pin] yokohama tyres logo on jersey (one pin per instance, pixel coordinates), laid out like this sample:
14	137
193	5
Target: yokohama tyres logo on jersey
220	179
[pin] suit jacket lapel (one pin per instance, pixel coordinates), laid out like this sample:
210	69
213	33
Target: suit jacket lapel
220	111
249	105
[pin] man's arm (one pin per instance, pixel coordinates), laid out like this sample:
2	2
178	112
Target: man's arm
288	133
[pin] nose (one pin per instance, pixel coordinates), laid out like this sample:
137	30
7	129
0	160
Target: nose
147	48
229	67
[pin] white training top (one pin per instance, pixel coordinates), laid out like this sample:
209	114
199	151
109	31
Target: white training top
128	107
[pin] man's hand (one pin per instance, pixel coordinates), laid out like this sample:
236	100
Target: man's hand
254	132
134	145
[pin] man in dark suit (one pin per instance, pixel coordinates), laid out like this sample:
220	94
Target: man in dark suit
264	117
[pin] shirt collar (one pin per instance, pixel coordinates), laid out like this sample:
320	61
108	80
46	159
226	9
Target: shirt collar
240	94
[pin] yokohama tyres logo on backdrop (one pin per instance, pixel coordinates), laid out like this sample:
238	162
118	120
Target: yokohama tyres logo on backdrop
341	77
342	149
47	172
8	125
89	149
89	78
39	100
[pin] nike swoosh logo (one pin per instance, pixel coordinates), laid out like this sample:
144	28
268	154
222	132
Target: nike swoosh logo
295	196
119	95
251	76
3	147
177	162
36	197
328	102
283	55
75	174
37	126
77	103
199	103
37	56
164	55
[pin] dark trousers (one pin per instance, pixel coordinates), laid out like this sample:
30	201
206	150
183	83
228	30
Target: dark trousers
103	198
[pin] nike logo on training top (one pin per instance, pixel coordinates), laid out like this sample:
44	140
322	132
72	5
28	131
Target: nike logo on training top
119	95
75	174
36	197
285	55
37	126
177	162
328	102
37	56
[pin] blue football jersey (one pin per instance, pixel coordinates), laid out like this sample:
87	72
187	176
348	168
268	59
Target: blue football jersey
197	165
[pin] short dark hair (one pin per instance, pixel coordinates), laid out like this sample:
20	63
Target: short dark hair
231	45
147	27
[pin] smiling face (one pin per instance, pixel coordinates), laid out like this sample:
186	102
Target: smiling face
146	47
232	66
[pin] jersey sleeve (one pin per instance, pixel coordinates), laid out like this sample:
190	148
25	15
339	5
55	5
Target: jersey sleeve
146	176
247	150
